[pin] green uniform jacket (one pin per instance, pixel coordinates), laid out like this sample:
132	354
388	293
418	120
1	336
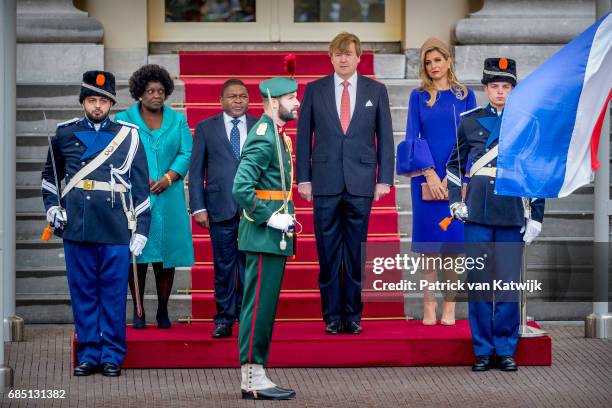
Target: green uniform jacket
167	148
259	170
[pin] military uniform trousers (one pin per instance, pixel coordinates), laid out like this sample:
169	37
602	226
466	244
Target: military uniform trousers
262	284
494	315
97	278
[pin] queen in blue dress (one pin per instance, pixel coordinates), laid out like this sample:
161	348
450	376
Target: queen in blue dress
433	114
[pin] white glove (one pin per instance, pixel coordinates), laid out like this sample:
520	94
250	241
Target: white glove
281	222
56	216
532	230
459	211
137	244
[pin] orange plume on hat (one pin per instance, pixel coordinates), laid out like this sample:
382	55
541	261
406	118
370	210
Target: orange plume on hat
100	79
503	64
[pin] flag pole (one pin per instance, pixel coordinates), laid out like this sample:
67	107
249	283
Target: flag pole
524	329
8	16
599	323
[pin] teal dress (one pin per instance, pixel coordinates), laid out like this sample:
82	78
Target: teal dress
167	148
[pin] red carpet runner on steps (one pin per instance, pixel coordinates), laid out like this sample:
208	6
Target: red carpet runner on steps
299	340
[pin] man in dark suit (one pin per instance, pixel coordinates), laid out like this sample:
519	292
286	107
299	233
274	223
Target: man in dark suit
216	154
350	163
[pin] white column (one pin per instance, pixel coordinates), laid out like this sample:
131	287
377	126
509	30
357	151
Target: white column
8	15
528	31
13	325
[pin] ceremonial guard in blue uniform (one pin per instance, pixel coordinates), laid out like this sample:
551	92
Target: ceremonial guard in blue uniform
102	213
496	227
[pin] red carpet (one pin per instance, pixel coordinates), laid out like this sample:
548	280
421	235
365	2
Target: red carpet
299	339
245	63
382	343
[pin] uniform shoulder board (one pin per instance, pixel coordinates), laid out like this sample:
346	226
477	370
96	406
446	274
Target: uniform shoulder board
127	124
470	111
261	129
68	122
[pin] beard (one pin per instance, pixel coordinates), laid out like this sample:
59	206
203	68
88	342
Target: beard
285	114
96	119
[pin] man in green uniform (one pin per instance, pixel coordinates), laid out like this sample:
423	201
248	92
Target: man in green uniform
262	187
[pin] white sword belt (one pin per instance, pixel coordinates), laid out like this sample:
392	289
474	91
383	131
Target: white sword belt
100	186
486	171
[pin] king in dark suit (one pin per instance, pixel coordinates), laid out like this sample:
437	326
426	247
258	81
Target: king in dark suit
349	164
216	154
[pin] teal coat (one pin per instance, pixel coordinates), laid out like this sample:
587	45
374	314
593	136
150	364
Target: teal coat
167	148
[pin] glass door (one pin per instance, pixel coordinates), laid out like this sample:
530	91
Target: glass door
321	20
273	20
212	20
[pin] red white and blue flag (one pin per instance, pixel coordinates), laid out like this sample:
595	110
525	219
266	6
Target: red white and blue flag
552	120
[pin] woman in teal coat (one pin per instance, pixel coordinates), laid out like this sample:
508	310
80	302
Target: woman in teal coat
167	140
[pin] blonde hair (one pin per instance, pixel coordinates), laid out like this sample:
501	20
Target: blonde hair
427	84
342	42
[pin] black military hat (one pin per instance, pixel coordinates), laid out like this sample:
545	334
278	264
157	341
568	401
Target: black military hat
499	70
98	83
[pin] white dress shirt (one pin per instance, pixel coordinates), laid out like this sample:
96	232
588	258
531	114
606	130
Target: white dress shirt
242	128
352	89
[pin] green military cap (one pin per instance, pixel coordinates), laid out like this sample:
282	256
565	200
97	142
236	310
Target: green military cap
278	86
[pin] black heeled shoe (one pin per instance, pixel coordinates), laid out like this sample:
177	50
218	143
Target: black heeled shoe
139	322
163	321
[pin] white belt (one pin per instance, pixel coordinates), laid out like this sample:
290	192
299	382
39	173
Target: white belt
100	185
486	171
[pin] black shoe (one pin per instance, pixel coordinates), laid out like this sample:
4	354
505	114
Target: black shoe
221	331
483	363
139	323
506	363
163	322
85	369
275	393
333	328
352	328
111	370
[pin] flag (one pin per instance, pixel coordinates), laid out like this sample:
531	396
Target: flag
553	118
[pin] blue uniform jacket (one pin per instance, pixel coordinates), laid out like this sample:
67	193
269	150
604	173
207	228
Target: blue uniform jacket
484	206
92	215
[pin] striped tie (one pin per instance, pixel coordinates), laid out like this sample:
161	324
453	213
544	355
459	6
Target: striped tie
345	107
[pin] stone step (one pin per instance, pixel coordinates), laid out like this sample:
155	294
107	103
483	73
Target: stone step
31	120
56	309
52	281
540	310
550	251
556	224
399	91
580	201
66	95
546	250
